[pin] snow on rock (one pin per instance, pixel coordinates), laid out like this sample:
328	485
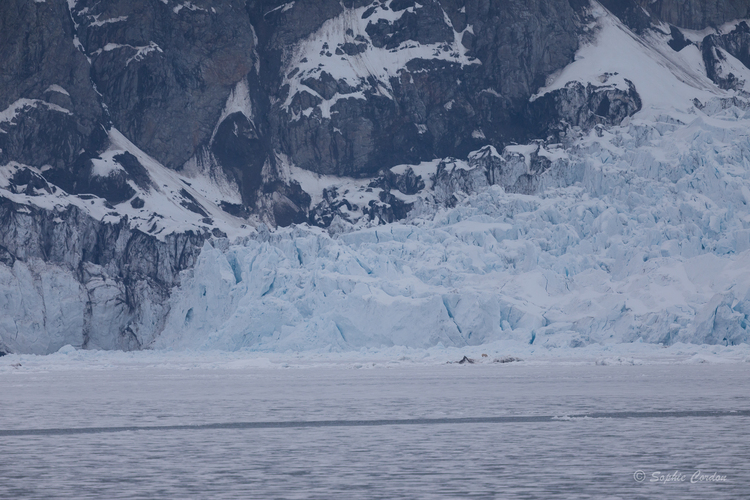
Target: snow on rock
665	80
343	49
10	113
729	70
162	202
58	89
102	22
238	102
139	52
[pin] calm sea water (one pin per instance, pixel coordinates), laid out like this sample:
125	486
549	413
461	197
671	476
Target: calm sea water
564	458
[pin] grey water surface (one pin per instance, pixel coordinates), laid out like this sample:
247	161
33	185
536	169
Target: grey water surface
544	431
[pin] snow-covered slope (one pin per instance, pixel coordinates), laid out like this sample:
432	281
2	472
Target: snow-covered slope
163	202
666	80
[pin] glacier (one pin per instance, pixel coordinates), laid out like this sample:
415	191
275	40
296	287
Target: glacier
637	232
640	231
598	235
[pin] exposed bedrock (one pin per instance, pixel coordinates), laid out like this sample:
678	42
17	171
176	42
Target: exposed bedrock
638	15
52	112
165	70
577	105
697	14
430	106
715	49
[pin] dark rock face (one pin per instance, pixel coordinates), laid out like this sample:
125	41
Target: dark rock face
678	41
165	71
432	106
60	114
408	182
638	15
630	12
42	134
584	107
697	14
735	43
425	26
239	149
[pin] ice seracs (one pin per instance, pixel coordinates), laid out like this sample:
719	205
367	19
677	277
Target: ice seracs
651	241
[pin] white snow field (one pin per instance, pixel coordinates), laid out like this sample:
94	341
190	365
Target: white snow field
142	425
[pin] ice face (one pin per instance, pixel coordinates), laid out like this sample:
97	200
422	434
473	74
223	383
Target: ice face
651	241
44	305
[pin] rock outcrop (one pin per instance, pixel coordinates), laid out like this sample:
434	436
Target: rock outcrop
52	113
165	69
460	75
716	48
697	14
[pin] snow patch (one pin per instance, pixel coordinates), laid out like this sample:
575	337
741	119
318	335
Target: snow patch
12	111
189	6
111	20
664	79
58	89
238	102
140	52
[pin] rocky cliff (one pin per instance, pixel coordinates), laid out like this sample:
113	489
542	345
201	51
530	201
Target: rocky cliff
697	14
